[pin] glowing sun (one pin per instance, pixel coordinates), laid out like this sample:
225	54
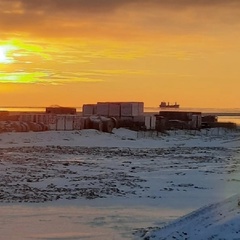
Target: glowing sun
5	50
3	55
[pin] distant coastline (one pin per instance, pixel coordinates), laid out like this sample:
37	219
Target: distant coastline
217	111
224	114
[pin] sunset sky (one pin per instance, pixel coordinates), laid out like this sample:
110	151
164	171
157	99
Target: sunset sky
71	52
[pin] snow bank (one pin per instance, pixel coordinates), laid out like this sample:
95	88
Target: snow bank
217	221
121	138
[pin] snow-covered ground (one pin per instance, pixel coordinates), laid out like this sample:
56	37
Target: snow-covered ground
91	185
216	221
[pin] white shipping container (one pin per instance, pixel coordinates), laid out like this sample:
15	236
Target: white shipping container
30	118
40	118
85	123
89	109
103	109
46	119
60	123
69	122
140	108
196	121
130	109
126	110
153	122
34	118
52	122
114	109
135	109
26	117
148	122
77	123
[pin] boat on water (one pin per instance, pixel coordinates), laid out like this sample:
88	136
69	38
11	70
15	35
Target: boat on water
168	105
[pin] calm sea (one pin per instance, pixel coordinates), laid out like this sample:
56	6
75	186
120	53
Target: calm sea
224	114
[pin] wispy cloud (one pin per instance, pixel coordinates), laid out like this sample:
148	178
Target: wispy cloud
44	76
121	19
98	6
57	63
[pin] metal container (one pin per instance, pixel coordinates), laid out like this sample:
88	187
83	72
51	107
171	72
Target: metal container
52	122
147	121
77	124
196	121
103	109
89	109
131	109
153	123
140	108
126	110
60	122
114	110
69	122
26	117
85	123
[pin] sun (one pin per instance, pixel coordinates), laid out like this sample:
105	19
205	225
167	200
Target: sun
3	55
6	53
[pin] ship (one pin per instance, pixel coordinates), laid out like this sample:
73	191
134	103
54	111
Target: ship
167	105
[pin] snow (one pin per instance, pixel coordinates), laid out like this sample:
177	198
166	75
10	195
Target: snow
121	138
216	221
92	185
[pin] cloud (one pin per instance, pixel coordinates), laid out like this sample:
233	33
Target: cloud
118	19
56	77
44	77
110	5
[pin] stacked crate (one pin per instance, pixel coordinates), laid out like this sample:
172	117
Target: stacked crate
120	109
89	109
114	110
102	109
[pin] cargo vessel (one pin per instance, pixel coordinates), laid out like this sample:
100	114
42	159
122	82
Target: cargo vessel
167	105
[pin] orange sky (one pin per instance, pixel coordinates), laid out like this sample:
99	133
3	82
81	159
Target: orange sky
71	52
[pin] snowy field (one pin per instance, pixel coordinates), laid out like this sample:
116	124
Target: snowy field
216	221
126	185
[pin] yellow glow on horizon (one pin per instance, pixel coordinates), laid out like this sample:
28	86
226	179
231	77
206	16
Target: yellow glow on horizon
21	77
29	48
181	69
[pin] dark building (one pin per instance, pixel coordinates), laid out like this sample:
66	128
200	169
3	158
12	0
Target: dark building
61	110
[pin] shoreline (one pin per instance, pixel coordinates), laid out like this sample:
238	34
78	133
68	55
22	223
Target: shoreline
219	114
